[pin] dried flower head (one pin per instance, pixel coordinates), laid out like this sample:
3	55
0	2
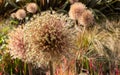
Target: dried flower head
76	10
16	43
87	18
73	1
20	14
32	8
47	37
13	15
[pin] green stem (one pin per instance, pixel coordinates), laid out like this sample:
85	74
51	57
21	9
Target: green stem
77	67
51	68
30	69
25	68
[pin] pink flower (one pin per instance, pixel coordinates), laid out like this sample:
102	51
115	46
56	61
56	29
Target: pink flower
20	14
13	15
86	18
32	7
76	10
16	43
47	37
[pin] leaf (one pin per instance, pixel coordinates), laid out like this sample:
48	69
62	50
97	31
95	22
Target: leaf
108	52
14	22
93	3
12	3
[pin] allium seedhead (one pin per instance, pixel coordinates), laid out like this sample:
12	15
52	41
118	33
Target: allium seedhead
32	8
76	10
16	43
86	18
48	36
73	1
20	14
13	15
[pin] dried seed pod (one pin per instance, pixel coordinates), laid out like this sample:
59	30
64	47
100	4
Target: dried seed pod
32	7
20	14
76	10
16	43
13	15
87	18
48	37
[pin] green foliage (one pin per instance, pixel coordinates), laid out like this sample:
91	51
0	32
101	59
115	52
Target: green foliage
103	9
3	37
10	66
101	49
10	6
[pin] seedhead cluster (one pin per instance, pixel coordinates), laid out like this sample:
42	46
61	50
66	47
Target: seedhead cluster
46	37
